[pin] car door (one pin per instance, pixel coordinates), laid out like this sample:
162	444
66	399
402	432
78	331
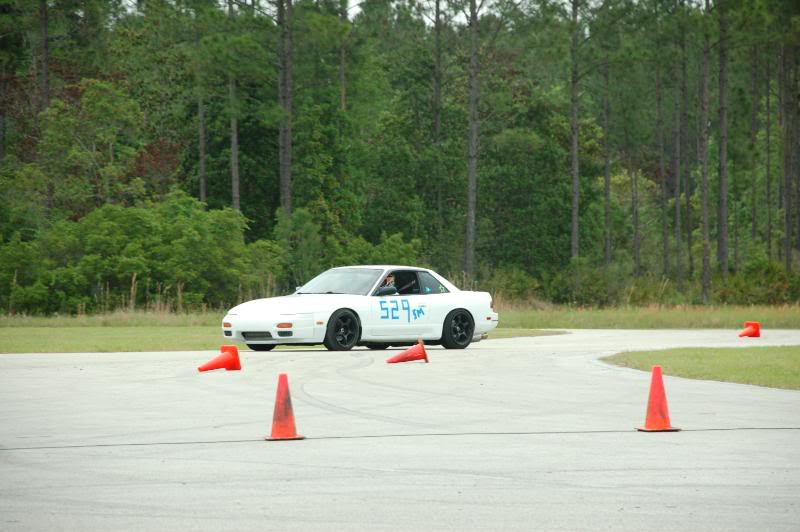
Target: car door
438	301
404	315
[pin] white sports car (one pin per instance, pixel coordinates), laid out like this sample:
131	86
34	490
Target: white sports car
373	306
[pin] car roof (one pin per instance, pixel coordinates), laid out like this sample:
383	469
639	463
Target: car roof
448	284
384	267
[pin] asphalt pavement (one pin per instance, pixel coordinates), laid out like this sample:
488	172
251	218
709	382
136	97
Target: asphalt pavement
514	434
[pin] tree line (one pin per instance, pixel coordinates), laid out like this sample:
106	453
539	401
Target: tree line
581	151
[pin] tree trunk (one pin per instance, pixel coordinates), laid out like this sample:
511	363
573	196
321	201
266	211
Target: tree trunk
663	174
437	115
794	143
343	60
704	134
607	174
234	131
234	145
2	119
753	135
768	148
201	143
735	224
437	73
43	20
575	242
2	136
637	255
722	204
472	146
687	175
677	189
285	96
786	61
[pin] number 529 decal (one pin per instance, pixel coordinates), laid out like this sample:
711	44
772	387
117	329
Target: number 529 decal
394	309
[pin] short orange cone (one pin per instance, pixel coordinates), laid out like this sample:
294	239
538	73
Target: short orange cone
228	359
417	352
283	418
657	411
752	329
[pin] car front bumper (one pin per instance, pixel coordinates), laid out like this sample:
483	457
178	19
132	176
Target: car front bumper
265	329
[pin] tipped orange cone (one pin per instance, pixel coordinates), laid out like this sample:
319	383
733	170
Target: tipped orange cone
417	352
283	418
657	411
228	359
752	329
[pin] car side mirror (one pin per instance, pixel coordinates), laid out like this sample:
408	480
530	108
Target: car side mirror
386	291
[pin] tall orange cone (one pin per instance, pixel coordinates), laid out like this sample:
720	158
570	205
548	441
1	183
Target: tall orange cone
283	418
228	359
752	329
417	352
657	411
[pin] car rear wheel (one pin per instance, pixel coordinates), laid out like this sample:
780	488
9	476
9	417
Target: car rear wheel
262	347
343	331
458	329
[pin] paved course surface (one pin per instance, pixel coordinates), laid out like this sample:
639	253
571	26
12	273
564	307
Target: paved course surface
515	434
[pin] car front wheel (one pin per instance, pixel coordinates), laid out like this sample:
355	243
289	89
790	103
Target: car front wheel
458	329
342	333
262	347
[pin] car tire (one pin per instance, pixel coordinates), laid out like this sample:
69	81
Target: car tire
458	329
262	347
377	347
343	331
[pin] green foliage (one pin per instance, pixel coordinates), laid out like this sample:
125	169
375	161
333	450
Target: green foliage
89	219
173	254
298	235
512	284
759	282
87	149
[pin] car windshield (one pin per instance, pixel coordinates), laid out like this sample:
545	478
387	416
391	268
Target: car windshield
356	281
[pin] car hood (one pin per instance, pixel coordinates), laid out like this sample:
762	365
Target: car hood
294	304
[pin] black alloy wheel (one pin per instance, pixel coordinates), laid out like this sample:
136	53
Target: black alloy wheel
459	329
262	347
343	331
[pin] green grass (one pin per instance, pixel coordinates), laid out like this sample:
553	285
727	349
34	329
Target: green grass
656	317
775	367
116	338
511	317
92	339
150	331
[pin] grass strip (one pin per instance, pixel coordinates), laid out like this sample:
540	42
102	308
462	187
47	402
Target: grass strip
774	367
655	317
511	317
108	339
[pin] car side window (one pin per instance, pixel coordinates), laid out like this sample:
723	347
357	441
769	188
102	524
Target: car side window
407	283
429	284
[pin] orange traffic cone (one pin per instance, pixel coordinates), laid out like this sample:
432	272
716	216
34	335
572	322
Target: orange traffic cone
657	411
752	329
227	359
283	418
417	352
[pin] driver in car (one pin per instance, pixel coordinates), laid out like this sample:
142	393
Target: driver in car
388	281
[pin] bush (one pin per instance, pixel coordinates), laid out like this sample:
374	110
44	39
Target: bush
511	283
760	282
171	255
